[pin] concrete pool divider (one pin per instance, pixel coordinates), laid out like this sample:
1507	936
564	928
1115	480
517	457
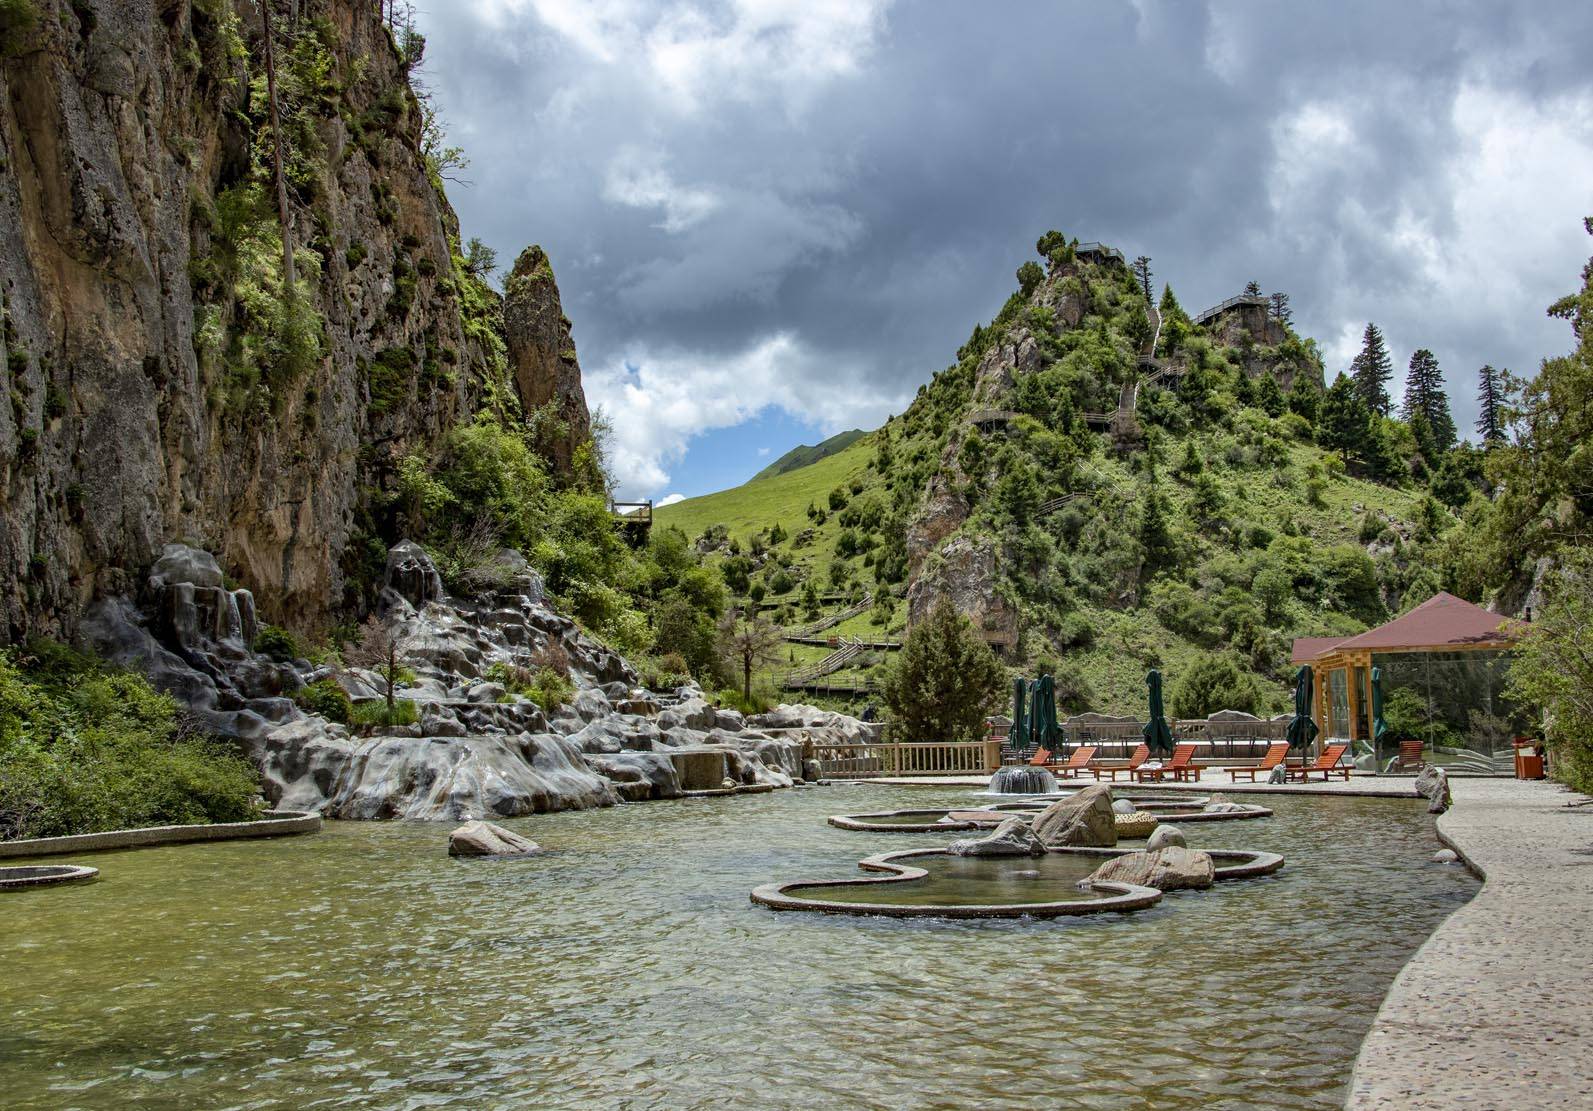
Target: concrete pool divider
28	876
1171	811
1118	897
275	823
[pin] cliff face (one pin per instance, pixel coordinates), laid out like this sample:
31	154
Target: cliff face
165	384
542	351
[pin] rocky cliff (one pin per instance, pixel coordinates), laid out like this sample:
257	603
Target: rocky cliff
165	382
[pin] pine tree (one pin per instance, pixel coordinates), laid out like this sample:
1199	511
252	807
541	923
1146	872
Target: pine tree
1252	289
1490	424
1169	306
1280	309
1424	393
1372	371
1155	534
1344	423
1268	397
945	679
1142	273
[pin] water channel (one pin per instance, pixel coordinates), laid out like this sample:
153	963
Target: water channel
363	968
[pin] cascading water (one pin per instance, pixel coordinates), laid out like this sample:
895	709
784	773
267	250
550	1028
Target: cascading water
1021	779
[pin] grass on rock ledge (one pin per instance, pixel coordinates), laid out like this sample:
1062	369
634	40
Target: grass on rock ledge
85	748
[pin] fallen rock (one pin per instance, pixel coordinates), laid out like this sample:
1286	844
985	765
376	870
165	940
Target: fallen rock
1165	836
1136	823
1432	783
729	784
1012	837
1222	804
1171	868
485	839
1446	856
1082	819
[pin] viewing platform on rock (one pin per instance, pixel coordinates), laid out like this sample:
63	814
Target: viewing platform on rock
1234	302
1101	253
987	420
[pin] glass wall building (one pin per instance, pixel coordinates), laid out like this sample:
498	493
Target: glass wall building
1441	670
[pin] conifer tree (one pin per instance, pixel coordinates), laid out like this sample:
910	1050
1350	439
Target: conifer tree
1344	423
1490	422
1372	370
1280	309
1252	289
1424	393
1169	305
1269	398
1142	274
945	679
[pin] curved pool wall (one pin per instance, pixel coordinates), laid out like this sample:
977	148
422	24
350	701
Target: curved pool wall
276	823
933	821
1229	865
28	876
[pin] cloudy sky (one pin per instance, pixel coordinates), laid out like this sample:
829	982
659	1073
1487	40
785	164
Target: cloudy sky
772	219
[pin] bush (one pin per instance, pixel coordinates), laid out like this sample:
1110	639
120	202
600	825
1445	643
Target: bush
373	714
278	644
327	698
944	680
1215	682
1552	669
86	748
760	701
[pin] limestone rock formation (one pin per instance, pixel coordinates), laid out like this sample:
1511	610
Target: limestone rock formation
1012	837
542	352
965	571
480	838
1082	819
1170	868
1432	784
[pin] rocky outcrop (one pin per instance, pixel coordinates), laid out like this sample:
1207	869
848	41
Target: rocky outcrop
473	749
485	839
965	571
542	351
1432	784
1167	869
1012	837
148	402
1085	819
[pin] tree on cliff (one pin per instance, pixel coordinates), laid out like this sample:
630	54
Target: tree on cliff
748	643
1490	403
1280	309
1142	274
1252	289
944	681
1372	370
377	650
1029	276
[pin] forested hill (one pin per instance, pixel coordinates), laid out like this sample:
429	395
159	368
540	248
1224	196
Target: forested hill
804	454
1104	485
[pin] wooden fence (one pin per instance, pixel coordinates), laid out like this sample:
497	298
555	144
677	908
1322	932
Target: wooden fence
868	761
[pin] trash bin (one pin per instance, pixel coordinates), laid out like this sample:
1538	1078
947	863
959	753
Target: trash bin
1529	758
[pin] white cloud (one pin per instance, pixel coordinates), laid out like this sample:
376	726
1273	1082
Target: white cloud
762	452
668	499
659	401
633	182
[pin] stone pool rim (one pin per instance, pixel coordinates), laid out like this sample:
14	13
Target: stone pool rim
30	876
274	823
1121	897
1164	809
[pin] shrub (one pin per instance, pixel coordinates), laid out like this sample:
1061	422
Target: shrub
85	748
759	701
327	698
1215	682
944	680
278	644
1551	669
374	714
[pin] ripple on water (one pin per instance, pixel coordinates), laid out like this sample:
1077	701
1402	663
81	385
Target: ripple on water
362	967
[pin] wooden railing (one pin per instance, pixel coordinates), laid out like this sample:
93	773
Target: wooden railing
868	761
992	416
835	618
1237	299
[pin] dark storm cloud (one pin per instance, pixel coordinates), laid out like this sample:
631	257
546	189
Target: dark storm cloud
808	204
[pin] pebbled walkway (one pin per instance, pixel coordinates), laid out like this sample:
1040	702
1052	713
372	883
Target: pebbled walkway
1496	1009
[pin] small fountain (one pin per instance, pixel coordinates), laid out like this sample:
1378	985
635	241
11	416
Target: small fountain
1022	779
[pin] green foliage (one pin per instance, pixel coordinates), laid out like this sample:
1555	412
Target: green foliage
1029	276
545	685
327	698
85	748
1214	682
944	681
1552	669
17	18
278	643
375	714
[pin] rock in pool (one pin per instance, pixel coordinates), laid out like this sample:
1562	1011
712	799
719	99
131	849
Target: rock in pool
1082	819
1166	869
486	839
1165	836
1012	837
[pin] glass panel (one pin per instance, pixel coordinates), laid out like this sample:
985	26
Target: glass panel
1339	705
1454	704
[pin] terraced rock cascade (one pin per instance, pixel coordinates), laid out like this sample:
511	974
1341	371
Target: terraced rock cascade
474	749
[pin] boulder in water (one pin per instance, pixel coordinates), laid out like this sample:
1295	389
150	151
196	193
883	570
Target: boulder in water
1163	836
1167	869
486	839
1083	819
1432	783
1122	806
1222	804
1012	837
1022	779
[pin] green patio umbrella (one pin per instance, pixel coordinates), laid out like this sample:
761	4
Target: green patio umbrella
1379	724
1302	730
1042	718
1019	737
1157	735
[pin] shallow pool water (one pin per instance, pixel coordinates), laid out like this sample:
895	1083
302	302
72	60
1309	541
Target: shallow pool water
361	967
973	881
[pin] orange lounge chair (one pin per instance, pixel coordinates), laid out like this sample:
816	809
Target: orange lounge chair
1042	757
1327	764
1277	753
1139	756
1179	766
1076	765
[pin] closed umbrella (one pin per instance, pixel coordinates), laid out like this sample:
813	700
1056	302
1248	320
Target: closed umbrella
1158	737
1379	724
1047	734
1019	737
1302	730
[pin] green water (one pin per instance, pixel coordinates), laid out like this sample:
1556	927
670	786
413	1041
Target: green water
967	880
362	968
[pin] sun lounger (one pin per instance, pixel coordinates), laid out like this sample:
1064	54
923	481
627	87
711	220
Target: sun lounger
1076	765
1277	752
1327	764
1109	771
1178	767
1042	757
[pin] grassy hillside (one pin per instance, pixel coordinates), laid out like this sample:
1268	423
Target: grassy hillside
806	455
1217	524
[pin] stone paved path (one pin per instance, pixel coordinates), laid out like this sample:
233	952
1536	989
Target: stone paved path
1496	1009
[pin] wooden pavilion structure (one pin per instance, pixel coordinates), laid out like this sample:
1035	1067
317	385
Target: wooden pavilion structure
1440	627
